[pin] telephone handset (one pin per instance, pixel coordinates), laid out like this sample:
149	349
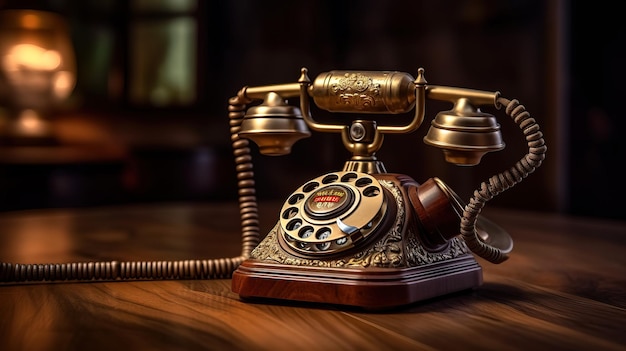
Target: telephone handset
360	236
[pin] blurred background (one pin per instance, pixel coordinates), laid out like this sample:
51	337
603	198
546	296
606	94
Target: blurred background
128	103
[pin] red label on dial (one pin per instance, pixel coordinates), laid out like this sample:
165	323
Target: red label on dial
327	198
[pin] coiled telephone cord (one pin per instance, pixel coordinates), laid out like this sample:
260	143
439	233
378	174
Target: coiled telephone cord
504	180
183	269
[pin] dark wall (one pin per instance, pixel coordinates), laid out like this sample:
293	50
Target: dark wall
597	147
534	51
489	45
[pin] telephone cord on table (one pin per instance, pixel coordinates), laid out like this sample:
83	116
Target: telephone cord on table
248	206
182	269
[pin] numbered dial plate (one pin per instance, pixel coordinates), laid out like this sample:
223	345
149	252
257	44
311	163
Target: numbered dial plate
332	213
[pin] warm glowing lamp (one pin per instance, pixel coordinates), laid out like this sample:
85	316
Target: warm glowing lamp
37	71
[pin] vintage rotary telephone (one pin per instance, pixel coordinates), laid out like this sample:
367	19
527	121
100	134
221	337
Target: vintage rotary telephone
360	236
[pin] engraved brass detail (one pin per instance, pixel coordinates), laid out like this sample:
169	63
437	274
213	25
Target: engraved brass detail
388	252
357	90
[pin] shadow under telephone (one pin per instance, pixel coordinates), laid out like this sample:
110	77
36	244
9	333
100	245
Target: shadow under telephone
359	236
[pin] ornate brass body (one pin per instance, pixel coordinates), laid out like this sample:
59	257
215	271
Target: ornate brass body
464	133
399	247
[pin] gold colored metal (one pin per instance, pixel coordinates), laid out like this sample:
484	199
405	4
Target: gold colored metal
420	100
274	126
305	107
379	92
452	94
332	213
284	90
464	133
364	92
363	140
369	166
412	254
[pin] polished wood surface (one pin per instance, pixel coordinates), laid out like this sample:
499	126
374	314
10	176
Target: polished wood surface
563	288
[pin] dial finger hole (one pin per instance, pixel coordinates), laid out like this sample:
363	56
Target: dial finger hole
295	198
371	191
290	212
348	177
294	224
305	232
331	178
323	246
342	241
310	186
361	182
323	233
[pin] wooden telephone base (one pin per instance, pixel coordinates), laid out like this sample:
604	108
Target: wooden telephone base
392	269
380	288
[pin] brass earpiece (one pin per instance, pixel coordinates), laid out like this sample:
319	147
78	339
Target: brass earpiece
464	133
274	125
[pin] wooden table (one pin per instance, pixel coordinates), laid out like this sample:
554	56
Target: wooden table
564	288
